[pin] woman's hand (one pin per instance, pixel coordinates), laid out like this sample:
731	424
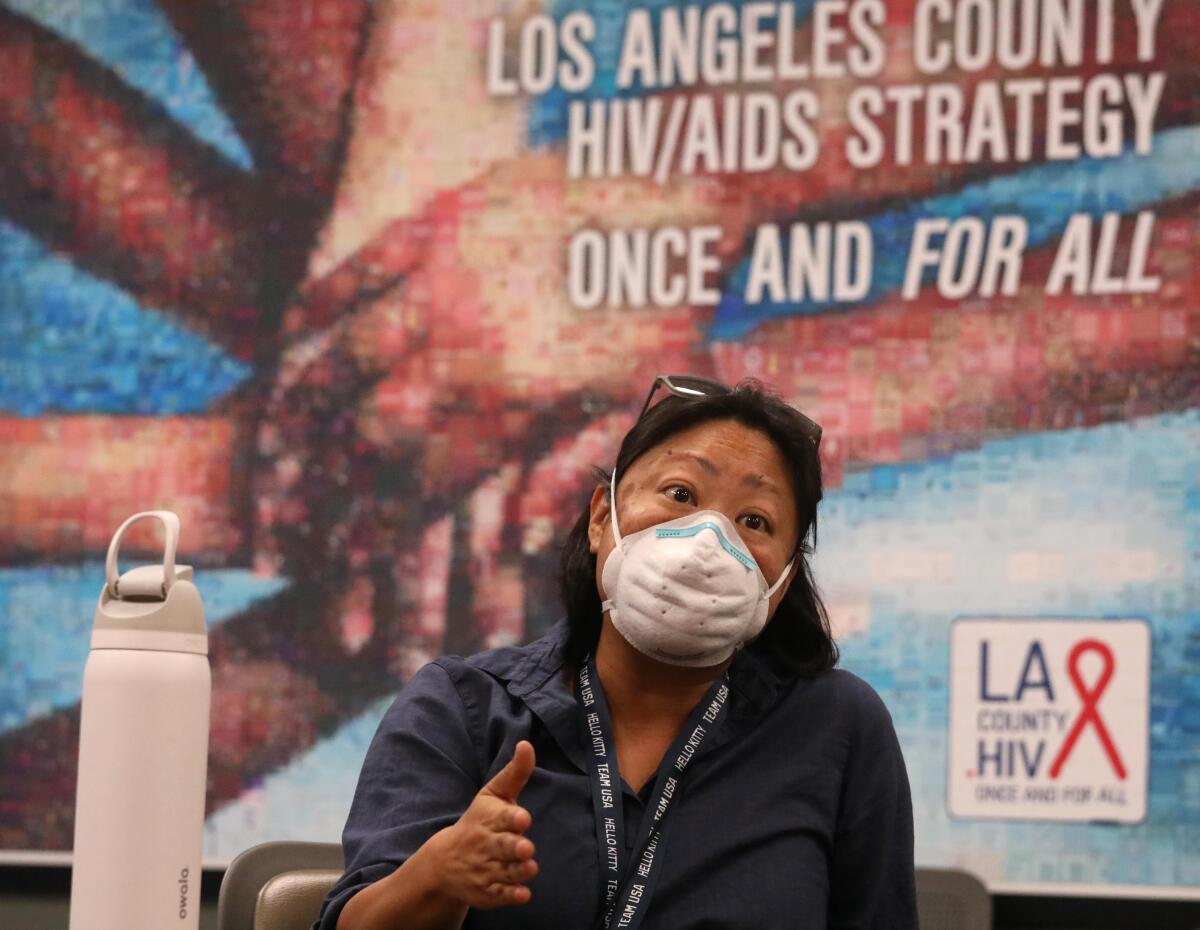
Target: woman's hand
484	860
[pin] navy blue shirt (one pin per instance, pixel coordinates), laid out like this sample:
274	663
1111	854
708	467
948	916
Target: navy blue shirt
797	815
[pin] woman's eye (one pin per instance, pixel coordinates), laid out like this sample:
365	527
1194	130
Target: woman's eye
755	521
680	494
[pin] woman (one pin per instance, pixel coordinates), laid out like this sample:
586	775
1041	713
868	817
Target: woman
637	765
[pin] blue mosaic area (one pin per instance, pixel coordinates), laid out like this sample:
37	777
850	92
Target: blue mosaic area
46	627
1118	507
136	40
73	343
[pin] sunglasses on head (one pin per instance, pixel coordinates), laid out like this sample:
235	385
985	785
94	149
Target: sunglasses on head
695	386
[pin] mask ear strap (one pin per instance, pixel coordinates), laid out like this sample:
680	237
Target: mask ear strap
779	581
612	506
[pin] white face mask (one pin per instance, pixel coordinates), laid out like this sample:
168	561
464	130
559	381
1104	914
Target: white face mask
685	592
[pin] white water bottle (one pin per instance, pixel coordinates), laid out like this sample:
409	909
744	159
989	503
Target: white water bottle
143	749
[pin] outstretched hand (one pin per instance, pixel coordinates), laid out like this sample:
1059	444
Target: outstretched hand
485	859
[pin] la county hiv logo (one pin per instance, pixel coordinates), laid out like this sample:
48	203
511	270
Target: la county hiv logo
1049	719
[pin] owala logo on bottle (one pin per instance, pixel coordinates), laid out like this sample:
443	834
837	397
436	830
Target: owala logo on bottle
183	893
1049	719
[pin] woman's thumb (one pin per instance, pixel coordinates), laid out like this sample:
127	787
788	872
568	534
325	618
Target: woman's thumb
509	781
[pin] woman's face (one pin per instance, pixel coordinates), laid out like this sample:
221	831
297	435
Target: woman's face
718	465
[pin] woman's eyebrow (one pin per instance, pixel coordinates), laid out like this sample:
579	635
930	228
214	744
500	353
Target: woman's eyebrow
704	463
750	480
761	482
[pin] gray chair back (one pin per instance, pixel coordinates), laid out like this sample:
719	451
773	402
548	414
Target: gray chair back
952	899
278	886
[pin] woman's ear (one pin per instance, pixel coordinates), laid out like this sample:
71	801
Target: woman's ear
598	520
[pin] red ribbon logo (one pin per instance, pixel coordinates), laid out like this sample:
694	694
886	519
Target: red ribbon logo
1091	697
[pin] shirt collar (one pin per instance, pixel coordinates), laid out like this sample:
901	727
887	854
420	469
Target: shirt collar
543	658
755	682
539	682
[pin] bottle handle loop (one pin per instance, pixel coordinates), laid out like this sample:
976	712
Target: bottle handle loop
170	524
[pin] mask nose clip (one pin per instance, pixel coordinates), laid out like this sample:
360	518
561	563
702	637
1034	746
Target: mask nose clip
718	538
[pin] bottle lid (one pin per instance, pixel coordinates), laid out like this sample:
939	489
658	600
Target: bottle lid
151	606
148	582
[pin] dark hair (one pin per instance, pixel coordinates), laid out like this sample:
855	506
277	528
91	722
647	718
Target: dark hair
797	637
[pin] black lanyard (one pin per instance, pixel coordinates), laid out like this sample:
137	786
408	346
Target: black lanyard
626	889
